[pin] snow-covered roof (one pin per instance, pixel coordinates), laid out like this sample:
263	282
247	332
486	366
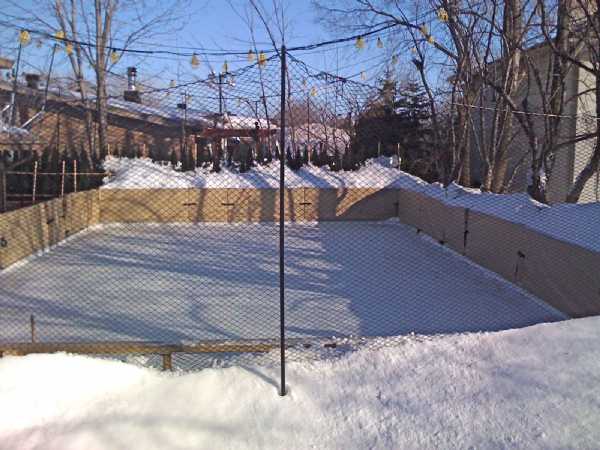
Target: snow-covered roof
13	132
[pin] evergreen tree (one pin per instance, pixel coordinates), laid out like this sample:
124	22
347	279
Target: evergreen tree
314	157
268	156
174	159
334	163
305	154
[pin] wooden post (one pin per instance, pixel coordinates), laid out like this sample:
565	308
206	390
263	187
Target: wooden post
2	188
35	169
108	149
379	148
167	361
144	150
62	178
32	324
74	175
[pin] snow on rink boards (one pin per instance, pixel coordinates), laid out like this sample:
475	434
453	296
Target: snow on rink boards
194	282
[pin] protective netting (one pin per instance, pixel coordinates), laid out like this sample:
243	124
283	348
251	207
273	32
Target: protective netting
149	231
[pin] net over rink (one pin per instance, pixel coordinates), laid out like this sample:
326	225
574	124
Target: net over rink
180	252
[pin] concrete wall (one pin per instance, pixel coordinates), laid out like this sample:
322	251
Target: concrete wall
26	231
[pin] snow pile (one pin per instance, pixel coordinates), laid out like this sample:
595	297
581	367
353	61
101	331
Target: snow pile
144	174
536	387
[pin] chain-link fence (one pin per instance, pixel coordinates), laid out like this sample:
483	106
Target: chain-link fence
154	228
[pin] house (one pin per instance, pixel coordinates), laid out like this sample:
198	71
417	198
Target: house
577	122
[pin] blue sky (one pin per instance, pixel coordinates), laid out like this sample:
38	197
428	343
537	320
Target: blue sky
216	25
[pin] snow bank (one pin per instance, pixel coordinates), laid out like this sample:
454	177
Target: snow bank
144	174
536	387
575	223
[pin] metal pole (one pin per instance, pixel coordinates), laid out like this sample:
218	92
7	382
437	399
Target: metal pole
220	93
282	390
48	77
13	95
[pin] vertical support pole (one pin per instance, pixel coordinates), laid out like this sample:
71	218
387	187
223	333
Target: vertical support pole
48	76
282	389
62	178
13	95
108	149
308	127
74	175
32	325
33	192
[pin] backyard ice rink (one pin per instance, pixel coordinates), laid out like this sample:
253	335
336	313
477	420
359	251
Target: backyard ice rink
194	282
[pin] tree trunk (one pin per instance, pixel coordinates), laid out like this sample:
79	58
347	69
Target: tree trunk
103	25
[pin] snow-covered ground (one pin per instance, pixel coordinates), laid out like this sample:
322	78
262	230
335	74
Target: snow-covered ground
575	223
192	282
533	388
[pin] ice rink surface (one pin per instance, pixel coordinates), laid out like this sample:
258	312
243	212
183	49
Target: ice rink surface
194	282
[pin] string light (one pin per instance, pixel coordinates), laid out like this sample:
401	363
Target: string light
424	30
172	84
360	43
114	56
313	92
24	37
262	59
431	39
251	56
379	43
363	76
414	49
442	15
195	62
69	48
60	34
225	68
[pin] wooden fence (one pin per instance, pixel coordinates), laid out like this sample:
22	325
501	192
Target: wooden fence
66	181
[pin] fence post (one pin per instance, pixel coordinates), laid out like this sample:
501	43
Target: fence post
74	175
2	188
32	326
282	390
62	178
35	169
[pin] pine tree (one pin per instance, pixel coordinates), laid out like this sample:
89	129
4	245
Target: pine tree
314	157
